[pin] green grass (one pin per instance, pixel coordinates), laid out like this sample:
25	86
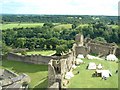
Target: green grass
16	25
37	73
85	79
44	53
58	26
83	25
113	26
63	26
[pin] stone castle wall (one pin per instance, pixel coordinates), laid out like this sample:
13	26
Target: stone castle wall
34	59
9	73
118	52
81	50
58	68
66	66
99	49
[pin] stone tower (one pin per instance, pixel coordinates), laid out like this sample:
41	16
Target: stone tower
79	39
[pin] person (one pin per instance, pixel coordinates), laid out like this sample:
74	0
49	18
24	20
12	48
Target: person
116	71
105	78
77	72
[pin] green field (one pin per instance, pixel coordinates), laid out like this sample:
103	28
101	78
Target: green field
113	26
63	26
44	52
85	79
58	26
17	25
37	73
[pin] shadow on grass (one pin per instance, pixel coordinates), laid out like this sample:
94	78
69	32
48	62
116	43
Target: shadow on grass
22	67
42	86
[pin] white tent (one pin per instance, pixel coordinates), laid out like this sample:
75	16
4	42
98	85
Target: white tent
69	75
80	56
104	73
111	57
90	57
74	66
99	66
92	65
93	57
79	61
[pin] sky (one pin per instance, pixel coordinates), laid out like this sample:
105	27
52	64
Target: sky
62	7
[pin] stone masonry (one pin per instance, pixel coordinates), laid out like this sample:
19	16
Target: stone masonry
59	65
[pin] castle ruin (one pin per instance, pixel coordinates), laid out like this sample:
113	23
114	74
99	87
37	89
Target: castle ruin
58	68
59	65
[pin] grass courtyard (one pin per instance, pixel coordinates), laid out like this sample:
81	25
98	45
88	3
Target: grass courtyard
85	80
37	73
43	52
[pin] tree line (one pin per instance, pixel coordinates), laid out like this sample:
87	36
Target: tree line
58	18
48	38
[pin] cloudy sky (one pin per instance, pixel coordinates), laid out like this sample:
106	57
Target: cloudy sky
71	7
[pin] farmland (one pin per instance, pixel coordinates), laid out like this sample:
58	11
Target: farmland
20	25
58	26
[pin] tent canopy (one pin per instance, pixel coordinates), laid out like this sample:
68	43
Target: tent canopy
80	56
111	57
104	73
69	75
92	65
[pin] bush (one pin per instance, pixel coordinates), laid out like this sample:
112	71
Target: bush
23	52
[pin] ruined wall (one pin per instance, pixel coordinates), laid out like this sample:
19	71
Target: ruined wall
55	86
51	74
9	73
35	59
79	39
58	67
118	52
81	50
99	49
66	64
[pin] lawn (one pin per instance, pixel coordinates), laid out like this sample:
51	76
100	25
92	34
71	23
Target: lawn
85	79
37	73
16	25
44	52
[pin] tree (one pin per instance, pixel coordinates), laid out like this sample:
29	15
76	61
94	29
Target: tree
100	39
48	25
20	42
53	42
114	37
40	43
5	49
61	49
